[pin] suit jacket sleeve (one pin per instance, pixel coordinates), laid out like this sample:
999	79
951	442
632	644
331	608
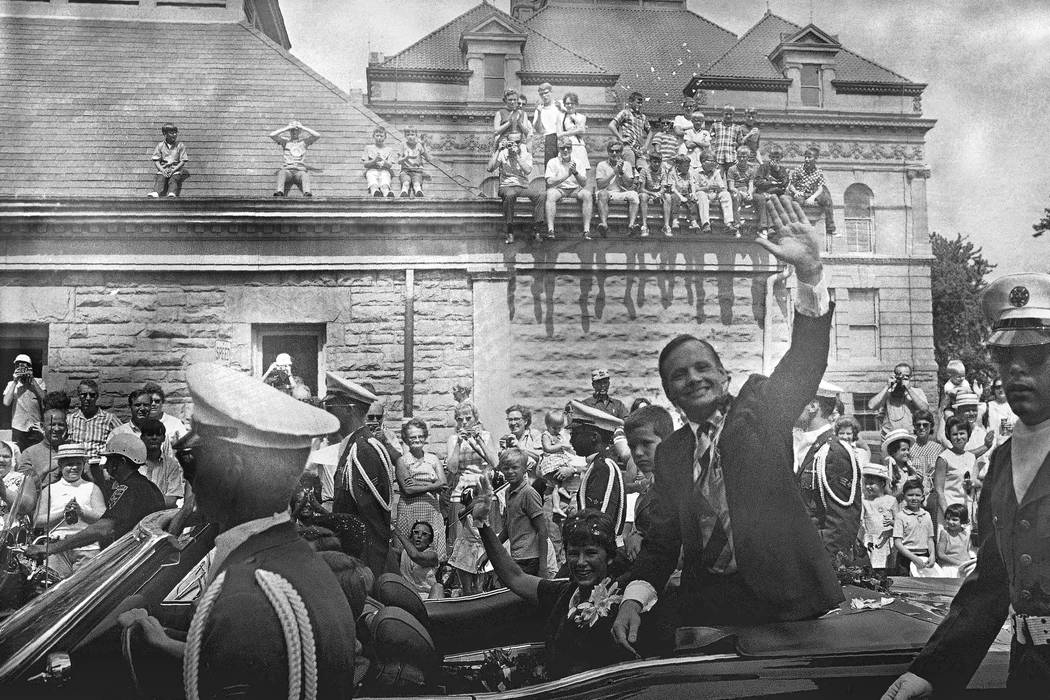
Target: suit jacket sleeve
658	557
956	649
794	380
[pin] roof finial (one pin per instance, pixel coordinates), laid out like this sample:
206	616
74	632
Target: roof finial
811	11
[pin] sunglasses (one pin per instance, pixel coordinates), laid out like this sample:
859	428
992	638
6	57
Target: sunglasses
1031	355
564	148
88	394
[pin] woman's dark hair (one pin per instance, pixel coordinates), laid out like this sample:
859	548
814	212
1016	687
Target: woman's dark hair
848	422
571	97
154	388
957	510
414	423
590	526
922	414
957	422
895	445
639	403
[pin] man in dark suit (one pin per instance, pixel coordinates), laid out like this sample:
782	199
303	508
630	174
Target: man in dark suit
828	474
1013	515
273	618
362	482
725	481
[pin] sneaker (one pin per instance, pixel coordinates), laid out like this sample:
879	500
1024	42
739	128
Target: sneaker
172	195
404	193
644	232
587	235
667	231
694	226
634	229
549	235
603	230
390	195
706	228
677	225
763	233
154	195
832	231
732	228
377	193
419	193
509	238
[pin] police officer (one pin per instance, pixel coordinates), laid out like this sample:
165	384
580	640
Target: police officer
600	399
602	484
363	477
273	618
828	475
1013	563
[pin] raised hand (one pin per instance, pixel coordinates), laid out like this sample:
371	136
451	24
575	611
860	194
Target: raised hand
797	242
481	507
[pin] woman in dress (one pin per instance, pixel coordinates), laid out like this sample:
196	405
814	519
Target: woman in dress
471	453
421	479
574	125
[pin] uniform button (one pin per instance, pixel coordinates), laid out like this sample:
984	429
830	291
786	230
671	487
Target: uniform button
1026	595
1026	559
1025	525
995	520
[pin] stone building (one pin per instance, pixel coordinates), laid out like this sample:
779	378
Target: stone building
420	296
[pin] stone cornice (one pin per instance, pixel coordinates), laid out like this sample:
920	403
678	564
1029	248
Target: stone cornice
529	77
453	76
858	87
715	82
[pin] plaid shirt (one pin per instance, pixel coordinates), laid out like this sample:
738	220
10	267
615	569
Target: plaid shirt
91	432
807	184
666	144
724	139
633	127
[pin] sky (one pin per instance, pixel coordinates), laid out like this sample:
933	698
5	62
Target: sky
984	61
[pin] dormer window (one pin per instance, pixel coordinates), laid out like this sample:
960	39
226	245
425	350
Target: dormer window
810	85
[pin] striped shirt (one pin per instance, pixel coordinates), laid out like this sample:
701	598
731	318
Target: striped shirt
807	184
91	432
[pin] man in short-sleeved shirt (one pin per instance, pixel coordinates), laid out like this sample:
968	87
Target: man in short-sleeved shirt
914	529
526	525
632	129
89	425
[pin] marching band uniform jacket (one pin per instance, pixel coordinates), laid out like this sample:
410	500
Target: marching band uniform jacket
1013	569
243	650
837	523
362	488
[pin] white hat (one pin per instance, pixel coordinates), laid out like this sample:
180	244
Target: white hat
589	415
340	385
828	390
895	435
283	359
876	469
1018	307
598	374
252	413
72	450
23	358
966	398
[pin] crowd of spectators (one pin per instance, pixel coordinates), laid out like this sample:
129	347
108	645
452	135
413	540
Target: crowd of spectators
678	166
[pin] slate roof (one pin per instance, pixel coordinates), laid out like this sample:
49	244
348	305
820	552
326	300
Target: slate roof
82	102
655	51
749	58
440	49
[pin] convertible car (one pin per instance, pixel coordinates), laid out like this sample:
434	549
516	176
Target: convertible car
66	642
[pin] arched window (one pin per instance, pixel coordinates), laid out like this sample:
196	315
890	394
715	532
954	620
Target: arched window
860	219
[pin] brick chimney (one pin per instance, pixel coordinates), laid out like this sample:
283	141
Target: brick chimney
375	57
522	10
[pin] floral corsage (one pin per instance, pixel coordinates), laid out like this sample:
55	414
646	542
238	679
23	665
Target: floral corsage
603	598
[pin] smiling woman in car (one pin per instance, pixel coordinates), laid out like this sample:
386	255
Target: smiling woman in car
579	612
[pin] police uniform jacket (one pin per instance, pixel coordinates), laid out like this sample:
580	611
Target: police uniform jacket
365	492
836	523
602	487
243	652
780	558
1013	568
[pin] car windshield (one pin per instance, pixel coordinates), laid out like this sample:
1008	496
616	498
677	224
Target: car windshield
75	605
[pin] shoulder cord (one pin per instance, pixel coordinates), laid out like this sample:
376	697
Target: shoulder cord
387	466
615	479
821	474
191	662
295	623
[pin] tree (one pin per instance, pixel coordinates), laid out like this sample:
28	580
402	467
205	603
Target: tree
959	328
1044	224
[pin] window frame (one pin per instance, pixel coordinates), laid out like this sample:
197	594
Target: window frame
807	89
319	331
875	325
869	220
487	79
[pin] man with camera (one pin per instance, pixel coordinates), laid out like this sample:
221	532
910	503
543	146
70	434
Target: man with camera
25	394
514	163
898	400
